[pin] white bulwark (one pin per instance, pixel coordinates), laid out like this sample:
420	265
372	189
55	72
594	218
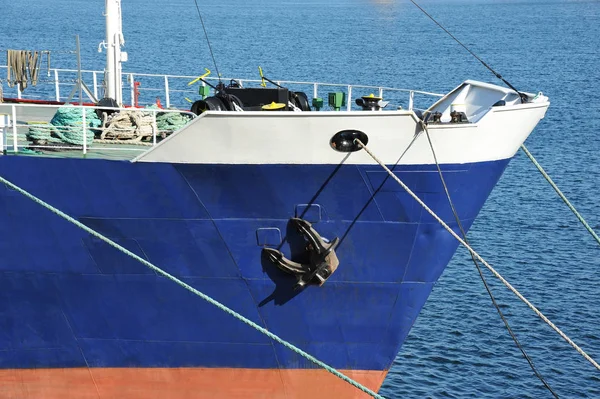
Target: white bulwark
497	123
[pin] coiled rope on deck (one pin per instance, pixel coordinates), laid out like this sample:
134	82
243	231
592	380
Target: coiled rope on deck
65	127
192	289
135	126
560	194
476	255
169	122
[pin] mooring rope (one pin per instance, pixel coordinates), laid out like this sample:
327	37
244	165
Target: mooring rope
491	269
560	194
212	55
188	287
480	272
496	74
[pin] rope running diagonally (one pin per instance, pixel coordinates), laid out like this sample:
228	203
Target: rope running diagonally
192	290
521	95
560	194
480	272
207	41
491	269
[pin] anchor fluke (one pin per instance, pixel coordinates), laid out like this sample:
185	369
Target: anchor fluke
322	259
284	264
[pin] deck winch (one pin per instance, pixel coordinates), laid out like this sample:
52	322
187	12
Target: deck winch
371	103
234	97
322	259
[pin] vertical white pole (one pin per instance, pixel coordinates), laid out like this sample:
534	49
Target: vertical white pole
118	74
4	123
411	97
154	128
79	78
114	41
95	78
109	76
132	89
167	96
56	85
380	93
80	83
84	126
14	127
315	90
348	102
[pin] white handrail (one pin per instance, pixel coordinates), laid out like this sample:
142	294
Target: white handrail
167	90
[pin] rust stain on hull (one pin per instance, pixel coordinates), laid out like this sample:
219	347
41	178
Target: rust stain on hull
179	383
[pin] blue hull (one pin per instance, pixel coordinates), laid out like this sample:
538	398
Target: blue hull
68	300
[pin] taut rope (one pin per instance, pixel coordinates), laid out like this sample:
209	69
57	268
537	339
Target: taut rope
476	255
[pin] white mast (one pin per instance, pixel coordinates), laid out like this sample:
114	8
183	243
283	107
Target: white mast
113	87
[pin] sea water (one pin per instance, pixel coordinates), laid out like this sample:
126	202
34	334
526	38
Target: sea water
458	347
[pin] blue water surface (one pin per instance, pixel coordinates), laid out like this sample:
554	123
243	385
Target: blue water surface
458	347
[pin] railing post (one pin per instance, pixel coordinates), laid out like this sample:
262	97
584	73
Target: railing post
315	90
348	101
84	126
18	91
411	97
14	128
132	89
56	85
167	97
154	128
4	123
95	78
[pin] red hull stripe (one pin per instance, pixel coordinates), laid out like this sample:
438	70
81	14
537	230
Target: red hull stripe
163	383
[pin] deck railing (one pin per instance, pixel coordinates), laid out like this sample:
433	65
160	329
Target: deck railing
174	91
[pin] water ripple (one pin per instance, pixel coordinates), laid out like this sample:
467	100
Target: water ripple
458	347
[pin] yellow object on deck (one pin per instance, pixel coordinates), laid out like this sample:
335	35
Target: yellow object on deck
200	77
262	77
273	107
371	97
